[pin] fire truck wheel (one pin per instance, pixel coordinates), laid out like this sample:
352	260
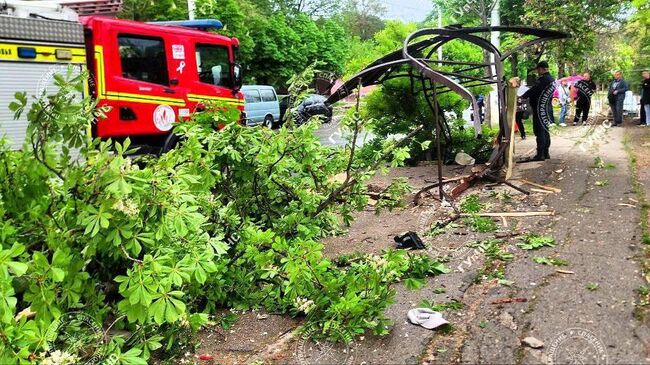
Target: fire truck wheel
171	142
268	122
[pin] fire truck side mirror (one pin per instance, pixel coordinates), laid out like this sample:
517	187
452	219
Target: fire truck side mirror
237	71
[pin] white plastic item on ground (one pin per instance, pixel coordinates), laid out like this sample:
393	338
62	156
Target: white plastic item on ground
464	159
426	318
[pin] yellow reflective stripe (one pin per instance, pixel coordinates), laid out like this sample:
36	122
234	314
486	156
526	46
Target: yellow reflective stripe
196	97
146	98
101	81
142	101
9	52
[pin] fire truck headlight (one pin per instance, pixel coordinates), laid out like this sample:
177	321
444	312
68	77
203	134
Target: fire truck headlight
63	54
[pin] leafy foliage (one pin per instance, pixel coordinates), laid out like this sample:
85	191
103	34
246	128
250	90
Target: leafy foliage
153	246
551	261
533	241
471	204
480	224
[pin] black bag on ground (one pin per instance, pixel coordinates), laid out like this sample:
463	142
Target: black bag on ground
409	241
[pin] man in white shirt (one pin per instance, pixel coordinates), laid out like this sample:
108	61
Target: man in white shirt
564	97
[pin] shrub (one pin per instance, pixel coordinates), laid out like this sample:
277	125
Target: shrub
153	246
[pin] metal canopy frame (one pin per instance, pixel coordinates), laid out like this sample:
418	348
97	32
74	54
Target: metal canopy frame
414	61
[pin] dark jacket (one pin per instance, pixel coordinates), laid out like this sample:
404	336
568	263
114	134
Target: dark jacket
535	93
621	87
585	90
645	92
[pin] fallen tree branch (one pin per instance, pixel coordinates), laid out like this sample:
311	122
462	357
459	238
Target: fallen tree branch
334	195
418	195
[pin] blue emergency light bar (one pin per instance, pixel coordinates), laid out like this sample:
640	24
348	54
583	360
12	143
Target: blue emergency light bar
200	24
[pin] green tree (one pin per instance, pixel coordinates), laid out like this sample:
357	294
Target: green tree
146	10
362	18
582	19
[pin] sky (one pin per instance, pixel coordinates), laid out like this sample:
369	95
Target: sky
407	10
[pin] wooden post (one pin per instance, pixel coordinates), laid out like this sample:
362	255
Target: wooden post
511	109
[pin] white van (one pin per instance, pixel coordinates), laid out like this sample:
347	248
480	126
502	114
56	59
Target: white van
261	106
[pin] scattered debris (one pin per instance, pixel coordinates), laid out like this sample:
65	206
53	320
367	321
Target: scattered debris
532	342
533	241
542	191
464	159
565	272
409	241
510	214
508	321
551	261
627	205
601	183
262	316
206	357
426	318
509	300
508	234
545	187
593	286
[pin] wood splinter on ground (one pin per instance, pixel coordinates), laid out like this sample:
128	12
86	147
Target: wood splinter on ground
565	272
540	186
509	300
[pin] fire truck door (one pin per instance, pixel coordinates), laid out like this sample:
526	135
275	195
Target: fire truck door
144	87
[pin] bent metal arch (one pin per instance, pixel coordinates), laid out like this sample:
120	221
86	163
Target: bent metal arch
414	61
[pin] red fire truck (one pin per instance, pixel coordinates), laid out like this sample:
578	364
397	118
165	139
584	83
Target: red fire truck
151	75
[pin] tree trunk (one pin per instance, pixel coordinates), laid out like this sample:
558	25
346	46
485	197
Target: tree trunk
514	65
561	69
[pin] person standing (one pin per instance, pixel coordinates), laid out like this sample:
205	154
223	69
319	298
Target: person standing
616	97
541	97
585	90
564	97
523	111
645	97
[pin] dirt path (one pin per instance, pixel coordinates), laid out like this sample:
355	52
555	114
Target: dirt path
584	315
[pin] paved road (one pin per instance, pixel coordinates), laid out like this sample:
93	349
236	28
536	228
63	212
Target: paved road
331	134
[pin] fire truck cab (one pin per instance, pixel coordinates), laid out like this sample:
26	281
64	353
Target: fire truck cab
151	74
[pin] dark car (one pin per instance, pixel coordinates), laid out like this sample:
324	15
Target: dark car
311	106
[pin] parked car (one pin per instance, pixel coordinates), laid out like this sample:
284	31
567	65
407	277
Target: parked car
261	105
311	106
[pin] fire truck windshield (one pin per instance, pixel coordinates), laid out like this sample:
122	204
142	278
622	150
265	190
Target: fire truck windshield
213	63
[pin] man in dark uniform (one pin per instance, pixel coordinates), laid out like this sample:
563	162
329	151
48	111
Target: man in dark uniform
645	98
616	97
585	89
541	97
